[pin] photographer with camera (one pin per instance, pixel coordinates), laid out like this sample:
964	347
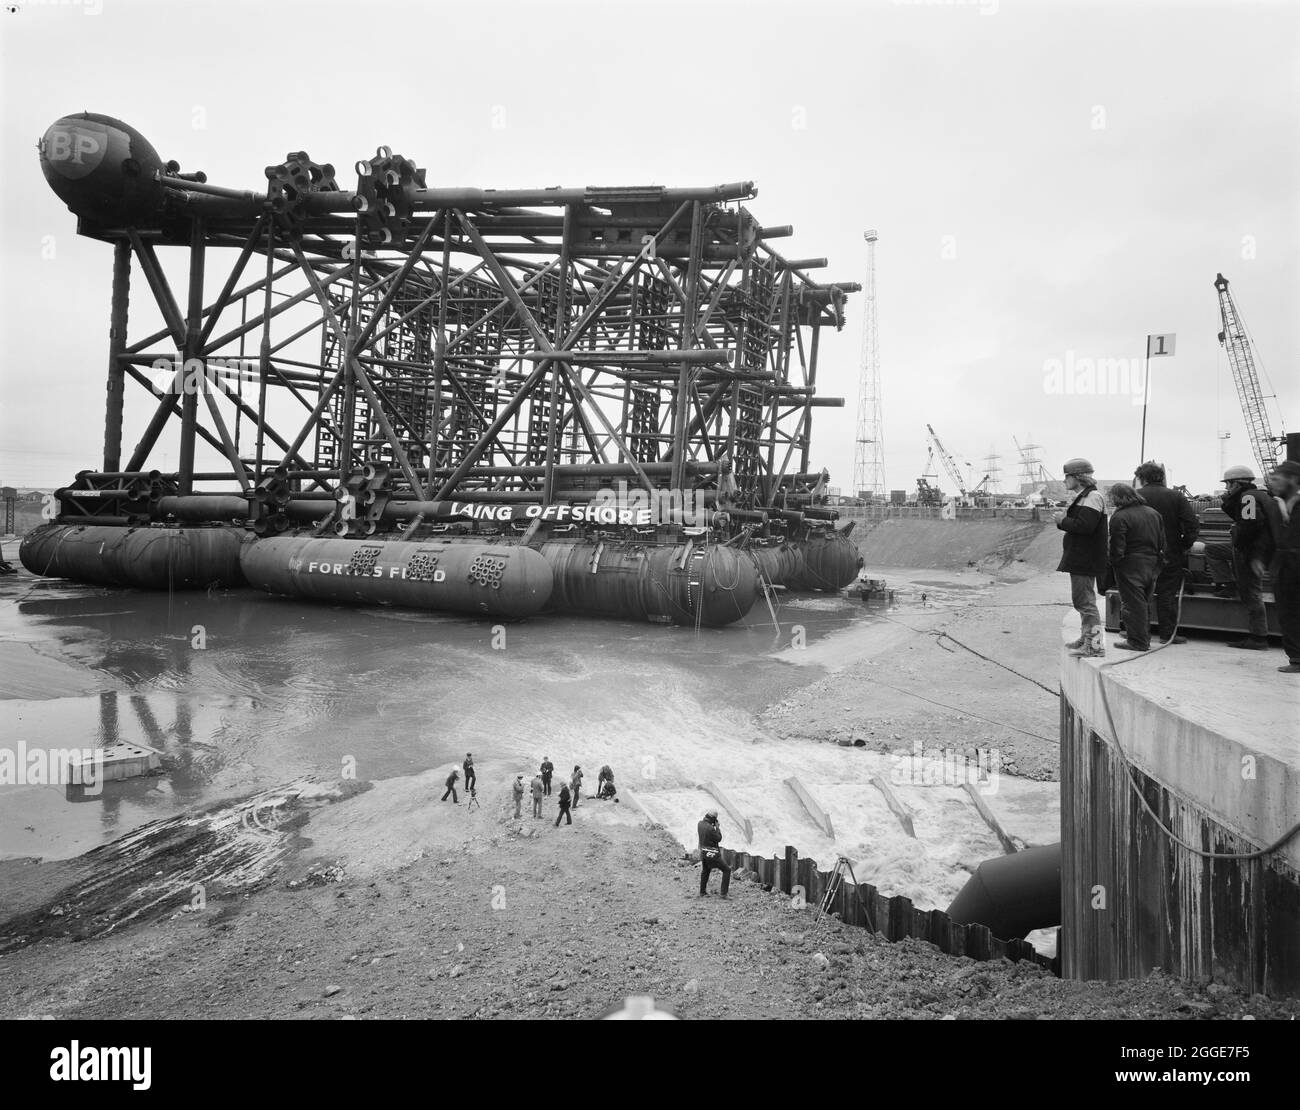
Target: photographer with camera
710	853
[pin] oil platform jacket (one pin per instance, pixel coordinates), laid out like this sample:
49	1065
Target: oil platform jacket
1136	530
1181	525
1256	523
1083	550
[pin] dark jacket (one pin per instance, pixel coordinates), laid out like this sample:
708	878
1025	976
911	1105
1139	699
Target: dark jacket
710	835
1083	549
565	796
1136	530
453	778
1288	536
1181	525
1256	523
547	768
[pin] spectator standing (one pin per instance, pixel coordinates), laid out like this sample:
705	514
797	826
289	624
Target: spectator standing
1137	546
1083	552
1181	530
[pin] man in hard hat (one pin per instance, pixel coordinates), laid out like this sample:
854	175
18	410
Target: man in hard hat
1284	483
1181	530
1084	553
710	833
1255	521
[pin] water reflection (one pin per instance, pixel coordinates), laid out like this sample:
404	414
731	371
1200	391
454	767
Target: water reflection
242	691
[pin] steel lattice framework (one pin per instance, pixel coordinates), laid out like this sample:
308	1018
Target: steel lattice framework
481	344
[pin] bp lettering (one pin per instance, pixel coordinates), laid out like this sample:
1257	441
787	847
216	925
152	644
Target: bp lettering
71	146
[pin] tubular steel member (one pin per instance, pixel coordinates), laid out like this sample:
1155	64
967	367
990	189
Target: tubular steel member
488	579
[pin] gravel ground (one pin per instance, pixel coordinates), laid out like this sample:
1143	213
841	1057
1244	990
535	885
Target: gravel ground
520	919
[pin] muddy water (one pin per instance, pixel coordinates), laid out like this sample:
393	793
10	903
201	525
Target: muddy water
243	691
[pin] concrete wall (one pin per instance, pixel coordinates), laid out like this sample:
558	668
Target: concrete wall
1132	898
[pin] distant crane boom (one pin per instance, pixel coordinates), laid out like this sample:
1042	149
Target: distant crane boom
1242	360
949	463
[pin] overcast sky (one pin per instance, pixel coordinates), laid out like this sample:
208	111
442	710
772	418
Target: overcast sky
1051	182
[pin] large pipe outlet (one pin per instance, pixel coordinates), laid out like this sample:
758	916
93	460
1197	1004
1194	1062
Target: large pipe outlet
1013	895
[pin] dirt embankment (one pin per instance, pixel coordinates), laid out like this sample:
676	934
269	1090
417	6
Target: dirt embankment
982	675
952	544
493	922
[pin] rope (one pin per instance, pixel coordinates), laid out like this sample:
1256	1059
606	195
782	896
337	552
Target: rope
963	711
941	634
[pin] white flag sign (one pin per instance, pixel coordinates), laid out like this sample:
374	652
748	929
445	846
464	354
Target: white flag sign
1160	344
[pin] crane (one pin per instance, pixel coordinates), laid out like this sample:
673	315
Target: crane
1236	341
949	463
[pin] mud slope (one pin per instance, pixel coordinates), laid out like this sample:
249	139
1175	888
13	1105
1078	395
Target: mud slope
942	544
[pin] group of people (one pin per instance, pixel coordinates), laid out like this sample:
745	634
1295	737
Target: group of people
1143	546
540	787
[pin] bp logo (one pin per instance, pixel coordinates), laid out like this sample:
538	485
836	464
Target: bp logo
75	149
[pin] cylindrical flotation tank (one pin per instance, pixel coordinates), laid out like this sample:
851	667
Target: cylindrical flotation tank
781	564
1013	895
830	562
712	586
492	579
148	558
